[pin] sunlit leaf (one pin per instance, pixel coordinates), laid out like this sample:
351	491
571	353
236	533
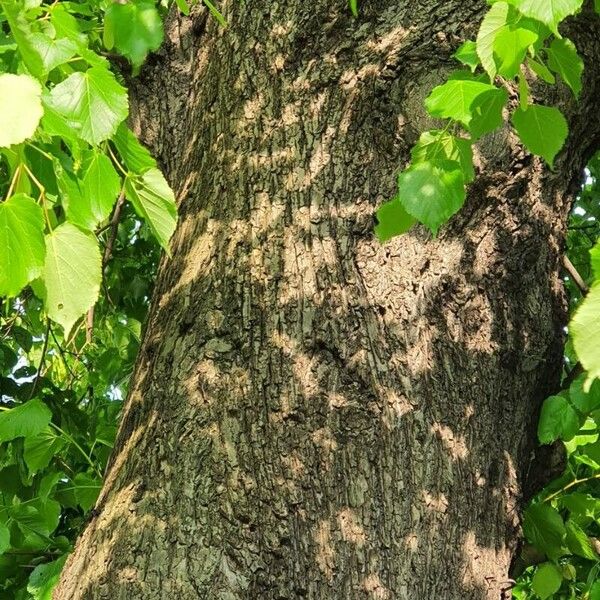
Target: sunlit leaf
93	103
72	274
20	108
22	249
154	201
543	130
564	60
432	191
136	29
24	420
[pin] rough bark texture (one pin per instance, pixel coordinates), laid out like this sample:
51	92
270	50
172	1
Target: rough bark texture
314	414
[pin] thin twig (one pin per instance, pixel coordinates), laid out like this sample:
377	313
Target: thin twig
42	361
62	354
570	485
572	375
114	221
575	276
114	229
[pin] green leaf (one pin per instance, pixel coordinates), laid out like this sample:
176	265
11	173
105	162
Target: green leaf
353	7
212	9
154	201
392	220
510	45
100	187
541	70
543	130
595	259
546	580
21	31
564	60
93	103
578	542
136	158
467	55
440	145
585	333
20	108
486	112
22	249
87	489
493	22
558	420
183	6
72	274
136	29
24	420
544	528
53	52
36	519
432	191
44	578
4	538
55	124
39	450
453	99
66	25
549	12
523	91
584	401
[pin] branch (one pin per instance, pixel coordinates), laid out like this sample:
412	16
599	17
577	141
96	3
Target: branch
114	229
575	276
42	360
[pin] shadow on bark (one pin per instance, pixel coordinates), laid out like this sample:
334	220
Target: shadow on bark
313	414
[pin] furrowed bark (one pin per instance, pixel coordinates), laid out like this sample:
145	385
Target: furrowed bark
315	414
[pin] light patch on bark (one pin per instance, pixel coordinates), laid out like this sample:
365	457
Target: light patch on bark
481	568
438	504
294	465
411	541
325	551
373	586
454	444
325	441
390	42
352	530
337	400
399	404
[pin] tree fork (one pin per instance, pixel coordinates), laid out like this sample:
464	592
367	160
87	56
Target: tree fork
314	414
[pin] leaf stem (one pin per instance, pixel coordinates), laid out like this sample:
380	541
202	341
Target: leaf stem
570	485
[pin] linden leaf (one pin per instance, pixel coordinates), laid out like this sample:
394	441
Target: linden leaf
585	332
135	29
454	99
543	130
493	22
20	108
24	420
93	103
432	191
549	12
564	60
392	220
546	581
154	201
22	249
72	274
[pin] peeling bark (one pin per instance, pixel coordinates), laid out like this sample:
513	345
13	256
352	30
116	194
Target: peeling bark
314	414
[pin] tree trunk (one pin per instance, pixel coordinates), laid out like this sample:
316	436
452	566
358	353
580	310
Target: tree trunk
314	414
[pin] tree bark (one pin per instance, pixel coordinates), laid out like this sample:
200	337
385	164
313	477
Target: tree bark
314	414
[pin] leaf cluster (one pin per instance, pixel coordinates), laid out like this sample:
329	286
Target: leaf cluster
518	41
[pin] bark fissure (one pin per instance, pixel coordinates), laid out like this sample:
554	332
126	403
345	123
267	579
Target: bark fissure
314	414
